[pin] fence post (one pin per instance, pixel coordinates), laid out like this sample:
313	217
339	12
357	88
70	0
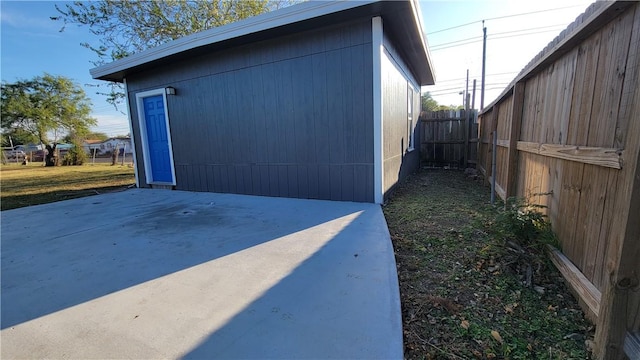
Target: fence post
514	136
619	305
619	314
493	166
466	124
484	147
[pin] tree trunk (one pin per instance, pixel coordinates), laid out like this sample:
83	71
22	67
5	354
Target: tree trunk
50	158
114	156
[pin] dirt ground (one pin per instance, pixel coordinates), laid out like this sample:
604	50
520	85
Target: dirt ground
460	296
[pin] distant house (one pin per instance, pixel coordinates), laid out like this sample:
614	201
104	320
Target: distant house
318	100
108	146
29	147
90	145
111	144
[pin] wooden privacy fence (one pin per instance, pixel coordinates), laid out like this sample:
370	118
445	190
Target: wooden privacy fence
448	138
568	137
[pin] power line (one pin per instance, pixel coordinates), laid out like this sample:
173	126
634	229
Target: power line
496	74
458	88
494	38
501	33
504	17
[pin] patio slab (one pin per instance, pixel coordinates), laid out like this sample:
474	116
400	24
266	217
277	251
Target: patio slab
171	274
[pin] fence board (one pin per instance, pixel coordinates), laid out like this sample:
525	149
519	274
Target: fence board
582	100
566	222
609	78
529	103
594	182
605	229
589	155
443	140
589	294
566	93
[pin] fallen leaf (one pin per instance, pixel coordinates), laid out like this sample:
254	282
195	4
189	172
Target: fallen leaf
465	324
574	336
589	344
552	308
477	354
496	335
491	356
529	347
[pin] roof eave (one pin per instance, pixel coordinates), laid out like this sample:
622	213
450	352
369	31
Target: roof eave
420	57
116	71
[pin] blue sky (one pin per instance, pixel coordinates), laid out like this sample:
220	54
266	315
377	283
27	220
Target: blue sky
516	32
32	44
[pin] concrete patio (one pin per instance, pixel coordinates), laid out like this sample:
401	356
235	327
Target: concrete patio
170	274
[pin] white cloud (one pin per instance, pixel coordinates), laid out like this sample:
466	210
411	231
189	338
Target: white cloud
111	124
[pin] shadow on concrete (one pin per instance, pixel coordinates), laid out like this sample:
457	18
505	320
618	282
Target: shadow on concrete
72	252
347	307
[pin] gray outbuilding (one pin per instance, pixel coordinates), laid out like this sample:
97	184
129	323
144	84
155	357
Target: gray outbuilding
319	100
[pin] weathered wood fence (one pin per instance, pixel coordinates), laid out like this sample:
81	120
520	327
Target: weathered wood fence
448	138
568	137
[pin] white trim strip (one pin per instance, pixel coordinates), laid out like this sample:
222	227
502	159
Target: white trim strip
143	135
378	136
133	141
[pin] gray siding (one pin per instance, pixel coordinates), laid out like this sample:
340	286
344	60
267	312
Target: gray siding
287	117
398	160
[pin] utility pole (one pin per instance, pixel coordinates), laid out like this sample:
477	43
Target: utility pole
473	97
484	60
466	93
466	122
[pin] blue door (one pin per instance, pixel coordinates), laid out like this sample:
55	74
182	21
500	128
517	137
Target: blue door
157	139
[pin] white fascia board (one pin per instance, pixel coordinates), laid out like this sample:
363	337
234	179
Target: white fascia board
274	19
417	15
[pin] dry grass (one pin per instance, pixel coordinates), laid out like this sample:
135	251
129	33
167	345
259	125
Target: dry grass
34	184
460	298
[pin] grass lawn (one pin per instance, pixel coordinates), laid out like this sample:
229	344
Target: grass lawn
463	291
34	184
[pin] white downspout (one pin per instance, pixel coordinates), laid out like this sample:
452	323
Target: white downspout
378	135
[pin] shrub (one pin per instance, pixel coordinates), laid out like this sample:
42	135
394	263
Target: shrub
75	155
524	232
524	223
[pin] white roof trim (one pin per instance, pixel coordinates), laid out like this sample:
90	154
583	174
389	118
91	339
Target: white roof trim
417	14
285	16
